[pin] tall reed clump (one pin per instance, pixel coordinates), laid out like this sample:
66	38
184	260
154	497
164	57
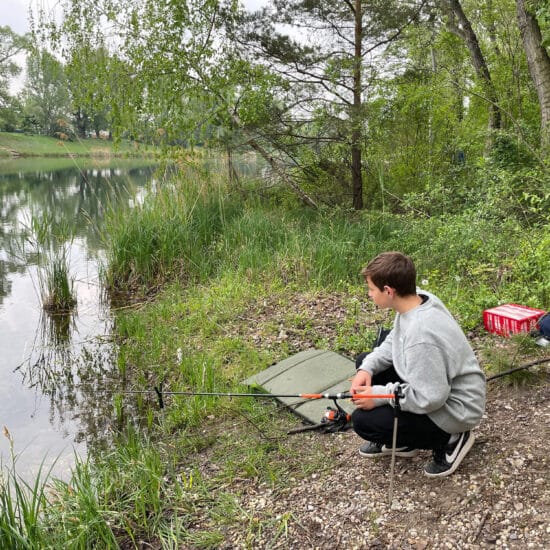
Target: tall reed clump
121	501
167	236
124	498
53	242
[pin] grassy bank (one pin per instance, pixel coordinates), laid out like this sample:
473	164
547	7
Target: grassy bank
23	145
228	286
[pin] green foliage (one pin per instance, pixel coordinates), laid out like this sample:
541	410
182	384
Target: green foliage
11	44
530	272
542	11
257	103
509	152
502	189
123	497
10	114
328	248
46	95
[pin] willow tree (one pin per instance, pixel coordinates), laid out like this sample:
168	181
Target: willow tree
164	51
183	82
95	67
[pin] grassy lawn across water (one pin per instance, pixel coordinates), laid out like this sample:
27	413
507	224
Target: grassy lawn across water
17	145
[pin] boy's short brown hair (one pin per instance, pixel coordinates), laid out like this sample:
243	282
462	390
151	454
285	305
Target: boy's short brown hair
392	269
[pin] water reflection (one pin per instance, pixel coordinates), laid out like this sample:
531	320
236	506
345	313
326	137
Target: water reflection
56	366
80	380
60	372
47	366
78	198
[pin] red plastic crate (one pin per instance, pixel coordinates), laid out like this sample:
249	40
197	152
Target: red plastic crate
510	319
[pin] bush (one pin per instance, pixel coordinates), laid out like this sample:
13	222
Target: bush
198	233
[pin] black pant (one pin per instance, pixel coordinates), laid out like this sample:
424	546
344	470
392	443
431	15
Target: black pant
414	430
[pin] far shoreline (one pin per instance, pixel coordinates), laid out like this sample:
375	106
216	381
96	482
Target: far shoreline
17	145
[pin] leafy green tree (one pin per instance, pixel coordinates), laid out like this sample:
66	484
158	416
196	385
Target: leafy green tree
88	71
497	28
10	114
517	65
538	60
46	94
460	24
11	44
160	71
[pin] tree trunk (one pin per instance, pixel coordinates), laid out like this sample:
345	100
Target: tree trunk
80	123
538	61
466	32
231	171
356	133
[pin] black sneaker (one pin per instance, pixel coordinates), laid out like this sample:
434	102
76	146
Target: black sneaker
372	450
446	461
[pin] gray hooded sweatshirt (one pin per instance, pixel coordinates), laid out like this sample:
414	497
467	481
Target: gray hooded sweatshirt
441	375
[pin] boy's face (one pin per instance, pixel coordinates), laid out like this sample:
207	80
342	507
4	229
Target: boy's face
382	298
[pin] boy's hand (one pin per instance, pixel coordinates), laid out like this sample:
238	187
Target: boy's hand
362	378
365	404
361	383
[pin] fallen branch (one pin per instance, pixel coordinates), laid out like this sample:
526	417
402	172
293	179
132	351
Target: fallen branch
523	367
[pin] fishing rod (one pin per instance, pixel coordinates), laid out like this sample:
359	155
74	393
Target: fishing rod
340	415
334	420
334	396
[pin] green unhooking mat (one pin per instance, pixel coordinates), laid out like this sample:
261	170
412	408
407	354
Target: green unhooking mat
312	371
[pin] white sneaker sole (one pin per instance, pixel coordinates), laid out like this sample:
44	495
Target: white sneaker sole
386	451
463	452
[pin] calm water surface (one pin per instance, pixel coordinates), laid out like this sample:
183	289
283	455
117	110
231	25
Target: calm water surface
52	367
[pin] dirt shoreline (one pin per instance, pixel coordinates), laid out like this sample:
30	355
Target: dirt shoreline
498	498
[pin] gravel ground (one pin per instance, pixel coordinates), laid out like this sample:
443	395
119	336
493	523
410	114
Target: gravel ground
498	498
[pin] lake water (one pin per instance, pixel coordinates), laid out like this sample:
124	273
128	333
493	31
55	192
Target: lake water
53	366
